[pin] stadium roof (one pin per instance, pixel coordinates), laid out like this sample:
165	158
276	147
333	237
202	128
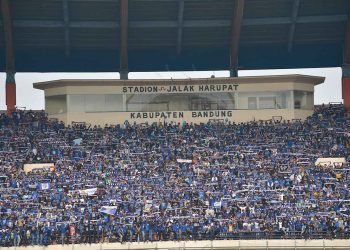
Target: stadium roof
296	78
171	35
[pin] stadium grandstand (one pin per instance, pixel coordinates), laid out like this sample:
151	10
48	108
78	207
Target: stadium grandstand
173	182
217	163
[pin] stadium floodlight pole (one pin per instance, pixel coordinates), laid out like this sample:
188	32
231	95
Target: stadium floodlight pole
124	22
237	19
10	60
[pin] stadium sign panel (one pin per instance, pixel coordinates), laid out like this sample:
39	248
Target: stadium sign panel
183	115
181	88
241	99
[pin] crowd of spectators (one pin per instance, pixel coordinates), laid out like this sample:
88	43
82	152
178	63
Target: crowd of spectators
173	181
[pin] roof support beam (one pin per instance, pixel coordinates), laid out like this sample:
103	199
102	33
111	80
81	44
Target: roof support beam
10	59
236	25
346	67
113	1
174	24
291	35
59	24
180	20
7	27
66	26
346	49
301	19
124	19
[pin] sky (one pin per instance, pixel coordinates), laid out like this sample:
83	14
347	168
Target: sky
30	98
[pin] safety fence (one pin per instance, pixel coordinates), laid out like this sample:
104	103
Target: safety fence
90	237
207	245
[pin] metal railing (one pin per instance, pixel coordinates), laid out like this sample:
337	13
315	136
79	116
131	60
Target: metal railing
56	238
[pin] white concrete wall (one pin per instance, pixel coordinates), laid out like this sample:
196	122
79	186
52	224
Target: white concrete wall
223	244
112	118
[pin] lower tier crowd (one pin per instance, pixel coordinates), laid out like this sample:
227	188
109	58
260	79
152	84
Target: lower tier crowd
153	182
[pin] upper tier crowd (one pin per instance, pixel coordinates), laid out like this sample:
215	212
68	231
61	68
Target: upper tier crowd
173	181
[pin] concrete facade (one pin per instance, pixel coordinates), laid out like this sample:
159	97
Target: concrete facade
223	244
171	100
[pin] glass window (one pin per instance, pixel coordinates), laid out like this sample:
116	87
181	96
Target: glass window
309	100
146	102
283	100
56	104
180	102
266	100
188	101
252	103
303	100
76	103
113	103
95	103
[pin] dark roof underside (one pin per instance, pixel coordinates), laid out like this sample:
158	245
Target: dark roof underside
42	36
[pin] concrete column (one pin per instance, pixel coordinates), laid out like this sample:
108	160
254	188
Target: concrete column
10	92
346	67
234	72
124	75
124	102
346	86
124	23
236	24
292	107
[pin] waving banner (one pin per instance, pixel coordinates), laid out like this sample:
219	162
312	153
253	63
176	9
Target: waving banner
111	210
88	192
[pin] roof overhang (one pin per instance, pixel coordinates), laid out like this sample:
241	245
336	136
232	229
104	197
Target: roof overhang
307	79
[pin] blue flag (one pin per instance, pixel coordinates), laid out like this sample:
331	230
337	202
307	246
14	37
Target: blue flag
44	186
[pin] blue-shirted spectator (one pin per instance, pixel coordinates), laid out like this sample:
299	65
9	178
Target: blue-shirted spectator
185	181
